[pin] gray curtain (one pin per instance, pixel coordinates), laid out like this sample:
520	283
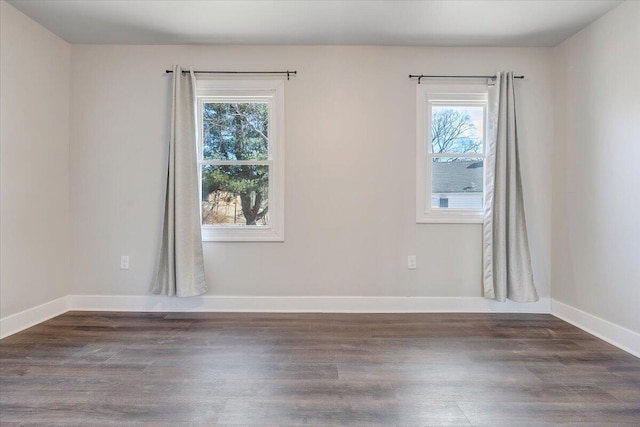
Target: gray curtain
181	265
507	271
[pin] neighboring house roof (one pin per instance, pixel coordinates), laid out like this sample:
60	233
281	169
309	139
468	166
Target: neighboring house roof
457	177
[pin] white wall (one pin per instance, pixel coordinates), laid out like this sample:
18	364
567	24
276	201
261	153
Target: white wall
34	221
596	203
350	192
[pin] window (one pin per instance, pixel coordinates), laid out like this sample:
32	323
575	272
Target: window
450	153
240	159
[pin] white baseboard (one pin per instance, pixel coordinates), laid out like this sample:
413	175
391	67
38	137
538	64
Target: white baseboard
25	319
288	304
619	336
616	335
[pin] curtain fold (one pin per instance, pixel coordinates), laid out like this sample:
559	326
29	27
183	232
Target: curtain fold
507	271
181	264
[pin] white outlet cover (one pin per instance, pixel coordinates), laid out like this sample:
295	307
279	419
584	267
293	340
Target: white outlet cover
411	262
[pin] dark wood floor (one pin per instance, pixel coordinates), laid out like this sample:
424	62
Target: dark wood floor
206	369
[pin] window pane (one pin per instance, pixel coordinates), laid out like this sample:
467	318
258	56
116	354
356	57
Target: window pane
457	129
235	131
457	183
235	195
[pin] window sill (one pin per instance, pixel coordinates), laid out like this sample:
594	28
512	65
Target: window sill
451	218
242	235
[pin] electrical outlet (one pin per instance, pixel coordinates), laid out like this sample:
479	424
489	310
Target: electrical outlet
124	262
411	262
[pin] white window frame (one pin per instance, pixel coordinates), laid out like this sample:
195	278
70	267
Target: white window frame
428	95
272	92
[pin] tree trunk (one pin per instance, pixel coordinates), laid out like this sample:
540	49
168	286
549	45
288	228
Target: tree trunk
249	210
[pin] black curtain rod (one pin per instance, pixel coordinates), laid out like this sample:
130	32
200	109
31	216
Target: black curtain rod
423	76
287	73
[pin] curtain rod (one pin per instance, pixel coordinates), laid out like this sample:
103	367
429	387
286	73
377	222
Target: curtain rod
423	76
288	73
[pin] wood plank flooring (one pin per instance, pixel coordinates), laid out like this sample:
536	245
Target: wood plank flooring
232	369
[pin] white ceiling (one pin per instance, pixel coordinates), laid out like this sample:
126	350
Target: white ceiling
432	23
